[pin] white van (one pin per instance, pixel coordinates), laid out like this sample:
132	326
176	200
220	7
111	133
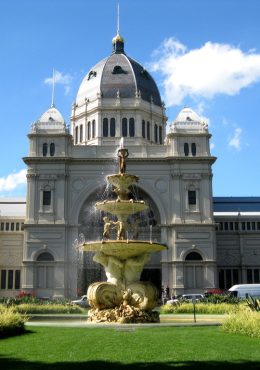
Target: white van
243	290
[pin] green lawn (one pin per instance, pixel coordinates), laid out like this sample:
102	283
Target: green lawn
52	348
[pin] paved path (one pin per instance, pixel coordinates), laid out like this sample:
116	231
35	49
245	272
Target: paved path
166	321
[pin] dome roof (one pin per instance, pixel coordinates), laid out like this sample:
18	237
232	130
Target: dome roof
187	115
51	115
49	120
118	75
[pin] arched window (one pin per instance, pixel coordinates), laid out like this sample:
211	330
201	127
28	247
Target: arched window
45	256
46	197
186	149
44	149
105	127
148	130
112	127
131	127
193	256
76	135
89	129
52	149
160	134
143	128
81	133
193	149
93	129
156	133
124	127
192	197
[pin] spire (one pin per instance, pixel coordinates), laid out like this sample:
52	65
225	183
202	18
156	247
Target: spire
118	41
118	19
53	89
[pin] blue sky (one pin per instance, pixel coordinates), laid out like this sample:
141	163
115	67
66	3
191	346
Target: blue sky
203	53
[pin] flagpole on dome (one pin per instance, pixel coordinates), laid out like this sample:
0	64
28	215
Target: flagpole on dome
53	89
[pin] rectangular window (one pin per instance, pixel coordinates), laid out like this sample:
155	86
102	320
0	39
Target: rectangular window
192	197
12	226
10	279
143	128
46	199
2	226
17	228
249	277
256	276
7	226
236	226
3	279
17	279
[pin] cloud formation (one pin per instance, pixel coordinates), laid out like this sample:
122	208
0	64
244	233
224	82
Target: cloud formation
235	141
63	79
12	181
204	72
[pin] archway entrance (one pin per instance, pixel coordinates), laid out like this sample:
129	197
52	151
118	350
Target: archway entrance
194	271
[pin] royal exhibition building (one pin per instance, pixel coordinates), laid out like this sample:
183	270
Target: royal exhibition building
212	242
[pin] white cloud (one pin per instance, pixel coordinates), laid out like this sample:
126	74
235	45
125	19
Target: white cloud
12	181
62	79
212	146
235	141
204	72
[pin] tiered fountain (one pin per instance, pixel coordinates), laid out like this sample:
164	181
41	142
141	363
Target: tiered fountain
123	298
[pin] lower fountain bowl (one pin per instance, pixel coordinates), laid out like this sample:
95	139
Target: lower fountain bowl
123	249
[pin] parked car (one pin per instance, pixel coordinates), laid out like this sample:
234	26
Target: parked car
186	297
82	302
192	297
215	291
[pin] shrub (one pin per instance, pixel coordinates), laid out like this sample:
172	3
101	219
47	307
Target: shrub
28	308
253	303
201	308
243	322
11	322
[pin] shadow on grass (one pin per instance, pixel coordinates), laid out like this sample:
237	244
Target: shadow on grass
14	333
13	364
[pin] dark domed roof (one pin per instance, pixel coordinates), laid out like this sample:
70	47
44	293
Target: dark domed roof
119	75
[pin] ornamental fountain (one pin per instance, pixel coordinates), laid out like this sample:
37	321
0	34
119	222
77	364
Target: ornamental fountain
123	298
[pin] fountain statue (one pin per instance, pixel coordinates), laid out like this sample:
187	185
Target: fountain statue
123	298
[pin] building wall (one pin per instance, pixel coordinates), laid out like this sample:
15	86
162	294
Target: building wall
11	255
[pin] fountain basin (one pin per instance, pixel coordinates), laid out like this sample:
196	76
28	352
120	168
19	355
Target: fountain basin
123	249
122	207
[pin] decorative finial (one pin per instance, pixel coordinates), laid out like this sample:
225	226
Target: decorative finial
118	41
53	89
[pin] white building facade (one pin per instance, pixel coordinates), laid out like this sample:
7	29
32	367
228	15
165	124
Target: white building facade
67	172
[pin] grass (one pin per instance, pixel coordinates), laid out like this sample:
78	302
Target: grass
128	348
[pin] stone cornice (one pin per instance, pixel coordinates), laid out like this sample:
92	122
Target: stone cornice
31	160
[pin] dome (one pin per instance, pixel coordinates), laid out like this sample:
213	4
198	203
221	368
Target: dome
118	76
49	120
187	115
51	115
